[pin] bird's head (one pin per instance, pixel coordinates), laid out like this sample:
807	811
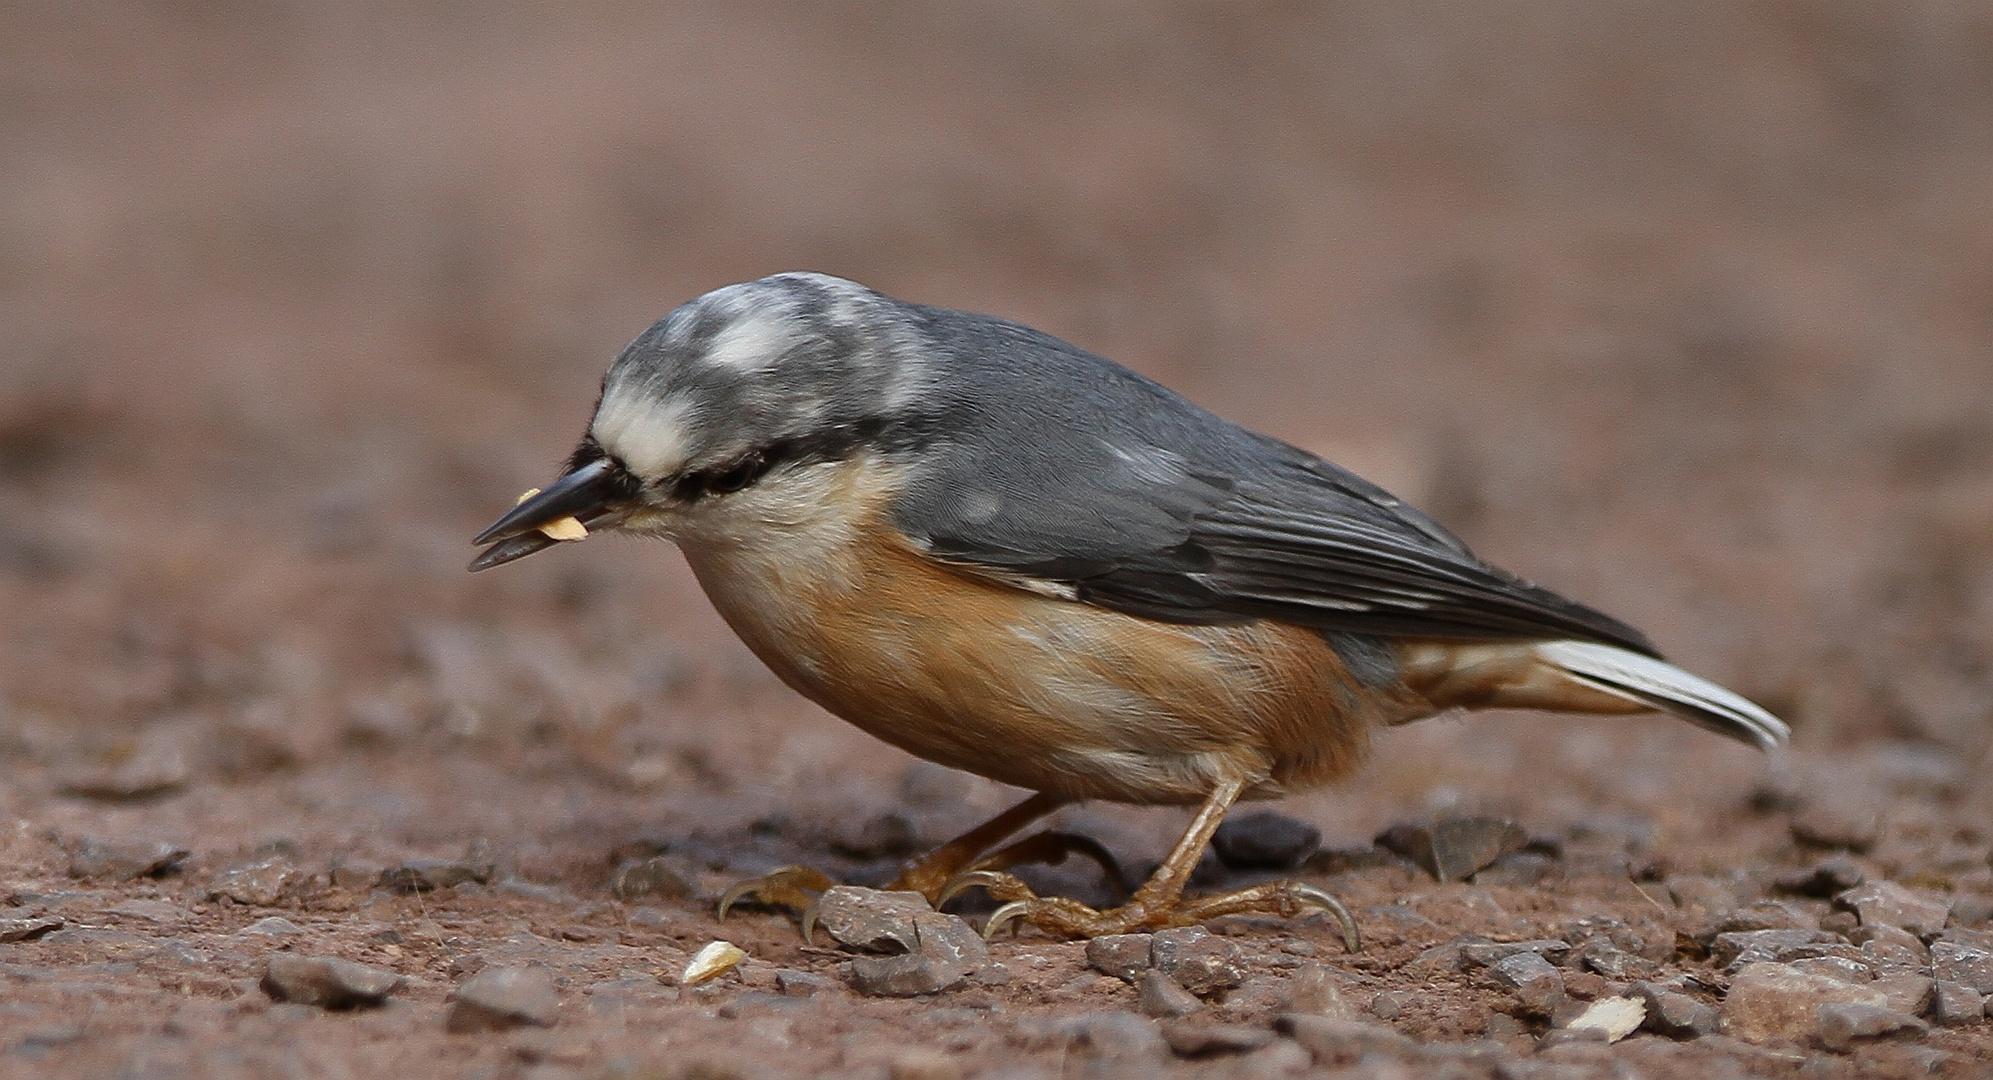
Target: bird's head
743	387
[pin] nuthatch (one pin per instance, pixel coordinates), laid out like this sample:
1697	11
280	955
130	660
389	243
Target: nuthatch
1002	553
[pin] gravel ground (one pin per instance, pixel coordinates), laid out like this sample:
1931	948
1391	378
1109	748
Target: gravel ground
1680	309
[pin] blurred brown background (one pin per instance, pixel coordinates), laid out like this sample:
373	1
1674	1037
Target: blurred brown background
1683	309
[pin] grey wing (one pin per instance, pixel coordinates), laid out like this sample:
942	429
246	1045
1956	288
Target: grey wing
1313	554
1107	487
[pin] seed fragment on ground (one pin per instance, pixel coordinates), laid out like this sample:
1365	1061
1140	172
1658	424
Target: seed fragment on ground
714	960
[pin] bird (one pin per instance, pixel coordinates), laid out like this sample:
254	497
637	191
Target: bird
1000	552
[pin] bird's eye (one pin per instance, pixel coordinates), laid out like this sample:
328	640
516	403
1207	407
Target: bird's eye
739	475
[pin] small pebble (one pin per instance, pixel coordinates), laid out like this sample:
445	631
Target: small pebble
1887	903
794	983
1123	956
1451	849
1823	879
1198	960
644	878
274	926
326	982
123	860
1769	1001
1955	1004
1160	995
1674	1015
1841	1024
428	875
266	883
1265	841
1190	1038
1334	1043
505	997
1964	957
12	930
1536	985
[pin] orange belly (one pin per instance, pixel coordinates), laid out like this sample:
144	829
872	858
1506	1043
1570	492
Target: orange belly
1048	694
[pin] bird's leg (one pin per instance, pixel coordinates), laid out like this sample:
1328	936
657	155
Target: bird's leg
1159	903
929	874
798	887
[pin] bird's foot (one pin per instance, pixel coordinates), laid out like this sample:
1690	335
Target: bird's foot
797	888
800	888
1070	918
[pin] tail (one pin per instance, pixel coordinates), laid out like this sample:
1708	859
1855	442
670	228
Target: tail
1658	684
1577	676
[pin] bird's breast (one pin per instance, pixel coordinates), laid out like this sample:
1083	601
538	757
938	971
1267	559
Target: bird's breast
1019	686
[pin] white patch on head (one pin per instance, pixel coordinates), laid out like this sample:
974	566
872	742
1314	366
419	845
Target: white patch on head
652	437
753	341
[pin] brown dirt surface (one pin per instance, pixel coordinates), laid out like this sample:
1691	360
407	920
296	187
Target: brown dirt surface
1685	310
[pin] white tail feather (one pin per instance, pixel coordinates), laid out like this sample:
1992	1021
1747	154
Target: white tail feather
1661	685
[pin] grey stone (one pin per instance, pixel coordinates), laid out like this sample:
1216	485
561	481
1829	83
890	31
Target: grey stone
1315	989
428	875
1159	995
1123	956
123	860
1733	950
1763	915
1199	961
1537	986
1333	1042
1674	1015
1842	1023
1964	957
640	879
1103	1034
1774	1001
1828	825
274	926
871	920
1453	848
1484	953
1955	1004
12	930
1885	947
1823	879
1887	903
1836	967
1617	964
1265	841
794	983
1389	1004
505	997
1191	1038
1904	991
944	952
327	982
906	975
265	883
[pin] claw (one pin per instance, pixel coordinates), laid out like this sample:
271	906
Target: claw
1002	886
734	892
810	921
794	887
1009	913
1352	939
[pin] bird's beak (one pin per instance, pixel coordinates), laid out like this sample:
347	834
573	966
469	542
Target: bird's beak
593	495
